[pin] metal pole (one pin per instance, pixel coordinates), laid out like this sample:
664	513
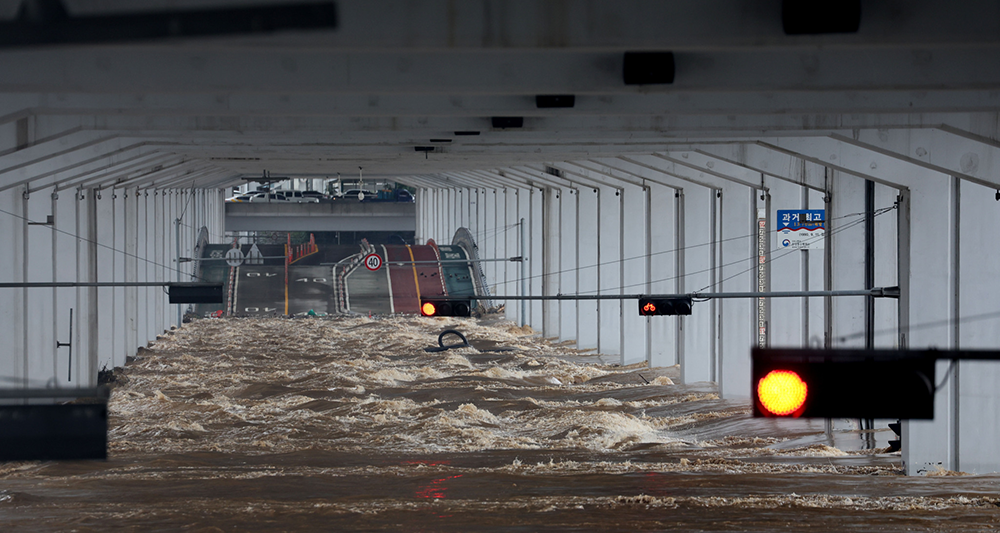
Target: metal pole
524	275
71	284
177	241
878	292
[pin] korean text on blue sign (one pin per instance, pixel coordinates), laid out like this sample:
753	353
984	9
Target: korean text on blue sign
802	229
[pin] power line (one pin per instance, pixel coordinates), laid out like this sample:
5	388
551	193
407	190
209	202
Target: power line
113	249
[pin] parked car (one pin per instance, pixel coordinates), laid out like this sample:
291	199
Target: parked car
268	197
353	194
240	198
300	197
314	194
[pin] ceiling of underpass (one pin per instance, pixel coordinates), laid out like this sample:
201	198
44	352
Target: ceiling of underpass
411	87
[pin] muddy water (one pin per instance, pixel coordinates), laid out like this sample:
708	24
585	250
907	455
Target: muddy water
330	424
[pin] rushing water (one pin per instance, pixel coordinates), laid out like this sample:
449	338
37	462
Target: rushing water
328	424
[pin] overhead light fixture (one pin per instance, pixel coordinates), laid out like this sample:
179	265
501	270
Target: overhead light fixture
648	68
508	122
544	101
816	17
466	133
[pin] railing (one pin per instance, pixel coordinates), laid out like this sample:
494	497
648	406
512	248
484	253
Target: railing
299	251
346	269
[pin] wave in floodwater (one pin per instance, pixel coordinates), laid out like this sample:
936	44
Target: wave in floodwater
347	423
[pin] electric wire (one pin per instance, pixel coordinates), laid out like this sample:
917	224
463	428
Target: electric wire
877	213
720	268
684	248
113	249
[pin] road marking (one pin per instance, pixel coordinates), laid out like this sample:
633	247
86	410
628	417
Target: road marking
388	278
414	267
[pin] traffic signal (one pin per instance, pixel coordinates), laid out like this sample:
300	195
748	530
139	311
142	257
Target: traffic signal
195	293
842	383
430	307
679	305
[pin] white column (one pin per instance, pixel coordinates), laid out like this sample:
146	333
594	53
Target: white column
979	292
12	301
738	266
65	268
107	297
511	248
661	273
568	262
131	248
846	243
699	331
929	443
39	327
536	238
787	323
634	250
551	261
587	258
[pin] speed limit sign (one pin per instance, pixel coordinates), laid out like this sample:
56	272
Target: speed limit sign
373	262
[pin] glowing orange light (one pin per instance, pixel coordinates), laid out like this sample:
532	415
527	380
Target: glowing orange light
782	392
649	308
428	309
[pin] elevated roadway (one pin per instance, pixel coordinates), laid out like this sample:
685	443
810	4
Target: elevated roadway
333	216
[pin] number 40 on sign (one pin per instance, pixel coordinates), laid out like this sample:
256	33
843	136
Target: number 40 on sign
373	262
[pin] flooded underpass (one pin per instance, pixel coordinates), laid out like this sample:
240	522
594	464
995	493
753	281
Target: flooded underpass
347	423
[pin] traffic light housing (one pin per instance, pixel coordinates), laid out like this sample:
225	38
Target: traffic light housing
450	307
679	305
808	383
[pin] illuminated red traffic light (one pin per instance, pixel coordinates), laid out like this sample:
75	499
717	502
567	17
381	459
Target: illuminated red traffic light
674	305
842	383
782	392
442	307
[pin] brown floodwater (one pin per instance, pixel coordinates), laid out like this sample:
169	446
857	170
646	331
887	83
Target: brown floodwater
346	423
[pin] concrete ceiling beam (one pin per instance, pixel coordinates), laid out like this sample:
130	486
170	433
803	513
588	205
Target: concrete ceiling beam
768	162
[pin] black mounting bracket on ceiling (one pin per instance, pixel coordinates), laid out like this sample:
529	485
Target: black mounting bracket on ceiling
47	22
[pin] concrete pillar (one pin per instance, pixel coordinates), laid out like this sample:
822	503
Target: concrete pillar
698	216
12	301
536	239
158	241
846	256
587	259
131	228
551	261
568	262
89	324
39	327
661	271
738	266
788	316
633	242
609	269
487	239
121	313
926	260
976	256
107	297
511	248
65	264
